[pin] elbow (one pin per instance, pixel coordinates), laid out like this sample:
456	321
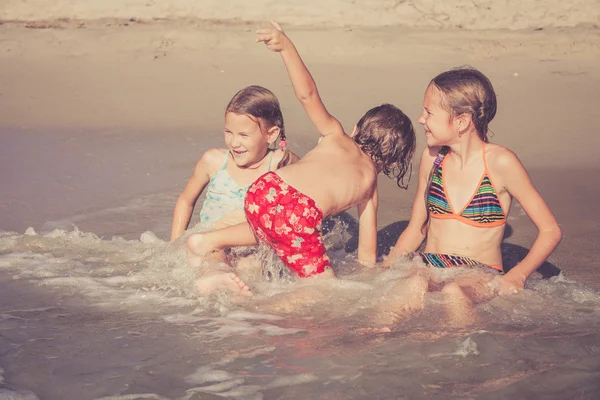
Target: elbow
553	235
306	96
557	235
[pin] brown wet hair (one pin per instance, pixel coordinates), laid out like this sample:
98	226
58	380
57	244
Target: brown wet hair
387	135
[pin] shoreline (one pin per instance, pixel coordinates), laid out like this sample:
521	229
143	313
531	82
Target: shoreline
66	22
487	14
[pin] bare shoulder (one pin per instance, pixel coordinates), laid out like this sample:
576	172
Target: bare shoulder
334	128
211	161
337	134
500	158
504	167
335	140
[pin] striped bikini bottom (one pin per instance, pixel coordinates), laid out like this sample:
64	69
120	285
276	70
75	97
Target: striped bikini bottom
446	260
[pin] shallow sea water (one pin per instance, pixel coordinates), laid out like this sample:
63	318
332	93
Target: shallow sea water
83	317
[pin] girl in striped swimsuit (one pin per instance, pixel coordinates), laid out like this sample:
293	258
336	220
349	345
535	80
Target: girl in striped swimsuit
466	186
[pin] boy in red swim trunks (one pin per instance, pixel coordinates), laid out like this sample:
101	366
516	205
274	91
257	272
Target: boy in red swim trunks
290	222
285	208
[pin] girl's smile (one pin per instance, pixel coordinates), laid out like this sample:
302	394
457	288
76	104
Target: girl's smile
245	139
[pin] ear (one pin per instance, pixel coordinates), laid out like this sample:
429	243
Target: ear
354	131
462	122
273	134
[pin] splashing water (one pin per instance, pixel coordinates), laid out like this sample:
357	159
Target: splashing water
88	318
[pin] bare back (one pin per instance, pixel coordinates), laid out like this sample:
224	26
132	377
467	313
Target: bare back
336	174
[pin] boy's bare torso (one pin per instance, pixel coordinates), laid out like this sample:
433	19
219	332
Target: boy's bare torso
336	174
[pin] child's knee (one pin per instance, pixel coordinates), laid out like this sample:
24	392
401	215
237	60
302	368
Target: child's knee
193	242
452	289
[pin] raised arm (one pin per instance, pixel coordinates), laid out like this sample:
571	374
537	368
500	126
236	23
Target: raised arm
302	81
414	234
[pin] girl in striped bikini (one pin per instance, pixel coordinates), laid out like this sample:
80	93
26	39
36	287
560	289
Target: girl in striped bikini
465	189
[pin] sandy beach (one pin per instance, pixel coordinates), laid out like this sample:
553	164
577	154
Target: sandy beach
95	113
105	107
464	14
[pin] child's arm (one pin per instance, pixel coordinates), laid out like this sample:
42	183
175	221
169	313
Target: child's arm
412	237
186	201
367	229
302	81
519	185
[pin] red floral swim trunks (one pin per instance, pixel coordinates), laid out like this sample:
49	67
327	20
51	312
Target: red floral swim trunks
289	222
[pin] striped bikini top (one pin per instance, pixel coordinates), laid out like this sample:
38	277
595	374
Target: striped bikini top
483	210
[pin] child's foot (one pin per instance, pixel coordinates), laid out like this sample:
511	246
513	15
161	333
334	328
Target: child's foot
207	284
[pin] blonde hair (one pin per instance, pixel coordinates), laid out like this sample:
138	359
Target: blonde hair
465	90
260	103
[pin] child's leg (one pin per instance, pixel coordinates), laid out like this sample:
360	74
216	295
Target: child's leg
201	244
463	293
312	291
476	285
458	306
404	299
207	247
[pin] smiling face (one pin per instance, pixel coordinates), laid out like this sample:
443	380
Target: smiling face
247	142
440	129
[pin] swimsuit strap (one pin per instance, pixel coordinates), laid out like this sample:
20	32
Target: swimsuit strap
437	203
225	161
484	160
440	157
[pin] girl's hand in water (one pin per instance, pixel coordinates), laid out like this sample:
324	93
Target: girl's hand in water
368	264
387	261
393	257
507	284
274	39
